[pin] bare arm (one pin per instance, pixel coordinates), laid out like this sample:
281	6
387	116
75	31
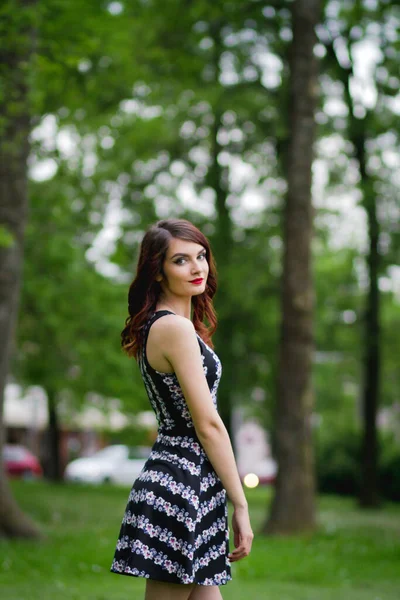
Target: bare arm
179	344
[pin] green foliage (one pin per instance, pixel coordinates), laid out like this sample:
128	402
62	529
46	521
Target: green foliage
390	327
134	435
338	452
71	315
144	99
390	468
82	63
6	237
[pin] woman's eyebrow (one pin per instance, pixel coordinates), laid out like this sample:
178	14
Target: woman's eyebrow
186	255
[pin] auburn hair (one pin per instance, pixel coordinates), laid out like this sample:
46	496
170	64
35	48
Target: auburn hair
144	290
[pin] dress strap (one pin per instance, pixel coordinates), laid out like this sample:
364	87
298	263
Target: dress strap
160	313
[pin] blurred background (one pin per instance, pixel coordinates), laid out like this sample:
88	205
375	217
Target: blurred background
273	127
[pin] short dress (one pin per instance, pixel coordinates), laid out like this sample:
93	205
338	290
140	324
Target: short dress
175	526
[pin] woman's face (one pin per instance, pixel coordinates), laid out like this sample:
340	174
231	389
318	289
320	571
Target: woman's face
185	268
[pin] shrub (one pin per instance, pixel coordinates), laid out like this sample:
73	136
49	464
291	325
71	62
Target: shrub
338	457
390	468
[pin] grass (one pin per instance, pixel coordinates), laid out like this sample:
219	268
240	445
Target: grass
355	555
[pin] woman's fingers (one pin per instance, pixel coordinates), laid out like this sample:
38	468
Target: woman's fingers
238	554
243	535
242	550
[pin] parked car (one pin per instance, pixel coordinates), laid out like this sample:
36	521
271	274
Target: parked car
20	462
118	464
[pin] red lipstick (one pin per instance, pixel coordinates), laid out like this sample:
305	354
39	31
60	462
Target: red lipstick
197	281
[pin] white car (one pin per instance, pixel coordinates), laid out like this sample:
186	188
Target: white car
114	464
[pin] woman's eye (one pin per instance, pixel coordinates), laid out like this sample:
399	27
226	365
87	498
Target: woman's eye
181	261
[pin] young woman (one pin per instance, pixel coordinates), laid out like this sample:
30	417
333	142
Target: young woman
175	528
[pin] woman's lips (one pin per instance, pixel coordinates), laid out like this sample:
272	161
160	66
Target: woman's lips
196	281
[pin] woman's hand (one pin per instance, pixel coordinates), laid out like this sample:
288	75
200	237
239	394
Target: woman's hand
242	534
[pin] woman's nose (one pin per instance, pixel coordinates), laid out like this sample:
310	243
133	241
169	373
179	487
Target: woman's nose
196	268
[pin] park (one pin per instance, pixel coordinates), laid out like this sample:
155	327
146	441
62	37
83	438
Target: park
272	126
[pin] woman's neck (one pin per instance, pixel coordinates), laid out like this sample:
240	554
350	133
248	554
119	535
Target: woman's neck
182	309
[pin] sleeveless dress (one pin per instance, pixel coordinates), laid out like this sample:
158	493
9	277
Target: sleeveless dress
175	526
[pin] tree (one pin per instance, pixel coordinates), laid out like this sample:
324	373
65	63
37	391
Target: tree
17	49
363	130
293	503
205	127
31	88
68	347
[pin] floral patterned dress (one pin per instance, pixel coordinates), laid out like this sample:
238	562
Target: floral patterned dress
175	526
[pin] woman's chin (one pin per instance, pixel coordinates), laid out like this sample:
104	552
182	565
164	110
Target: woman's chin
200	291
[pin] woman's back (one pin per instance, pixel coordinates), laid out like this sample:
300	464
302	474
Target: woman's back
164	391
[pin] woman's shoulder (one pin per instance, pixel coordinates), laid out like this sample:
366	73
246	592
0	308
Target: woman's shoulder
174	336
173	326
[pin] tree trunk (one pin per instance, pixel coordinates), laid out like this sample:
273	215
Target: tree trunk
369	488
293	506
14	149
53	440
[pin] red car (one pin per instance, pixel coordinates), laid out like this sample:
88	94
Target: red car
20	462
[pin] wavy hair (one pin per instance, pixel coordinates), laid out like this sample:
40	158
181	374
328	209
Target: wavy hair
144	291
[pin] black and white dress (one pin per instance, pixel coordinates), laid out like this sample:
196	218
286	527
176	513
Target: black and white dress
175	526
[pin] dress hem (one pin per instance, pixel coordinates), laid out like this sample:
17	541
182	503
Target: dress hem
226	580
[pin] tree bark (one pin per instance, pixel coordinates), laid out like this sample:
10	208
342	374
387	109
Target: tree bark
293	506
14	150
369	485
369	489
53	439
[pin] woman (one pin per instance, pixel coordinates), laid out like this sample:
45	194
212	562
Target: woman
175	530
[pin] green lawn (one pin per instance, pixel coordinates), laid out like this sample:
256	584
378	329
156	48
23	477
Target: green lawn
354	556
